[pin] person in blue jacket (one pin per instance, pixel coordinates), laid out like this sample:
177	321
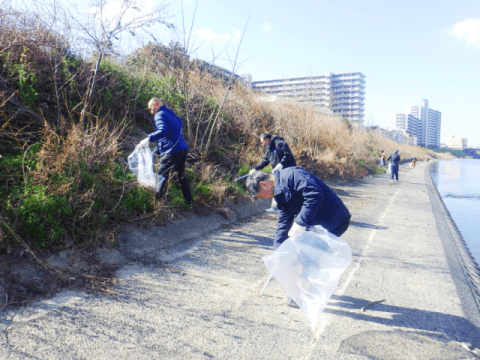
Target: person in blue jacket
394	159
303	201
171	146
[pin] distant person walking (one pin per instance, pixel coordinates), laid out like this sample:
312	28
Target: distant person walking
277	154
382	158
171	146
394	159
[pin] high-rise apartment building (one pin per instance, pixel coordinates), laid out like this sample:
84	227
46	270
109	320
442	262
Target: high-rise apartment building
409	123
343	93
422	122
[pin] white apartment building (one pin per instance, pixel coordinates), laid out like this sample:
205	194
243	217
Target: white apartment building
422	122
409	123
456	143
343	93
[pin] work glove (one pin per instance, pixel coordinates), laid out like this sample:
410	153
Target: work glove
252	172
145	142
296	230
278	167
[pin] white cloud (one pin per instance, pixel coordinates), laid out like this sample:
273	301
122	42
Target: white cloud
266	27
381	97
468	30
211	36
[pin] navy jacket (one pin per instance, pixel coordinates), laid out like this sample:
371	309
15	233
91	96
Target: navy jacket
394	157
168	134
277	152
303	197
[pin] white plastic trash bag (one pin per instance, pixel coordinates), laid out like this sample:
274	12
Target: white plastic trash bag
309	266
140	162
389	170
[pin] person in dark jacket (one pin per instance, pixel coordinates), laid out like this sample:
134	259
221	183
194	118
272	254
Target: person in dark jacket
277	154
304	201
171	146
394	159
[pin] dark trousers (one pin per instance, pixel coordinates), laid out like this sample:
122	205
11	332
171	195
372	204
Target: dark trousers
394	171
175	162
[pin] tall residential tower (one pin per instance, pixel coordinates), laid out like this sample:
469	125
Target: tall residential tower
343	93
422	122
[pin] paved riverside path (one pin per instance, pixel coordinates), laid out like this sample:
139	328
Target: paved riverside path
200	299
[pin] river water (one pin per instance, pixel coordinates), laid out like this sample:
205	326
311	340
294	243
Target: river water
458	183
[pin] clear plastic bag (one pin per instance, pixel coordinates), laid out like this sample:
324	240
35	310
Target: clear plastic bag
140	162
309	266
389	170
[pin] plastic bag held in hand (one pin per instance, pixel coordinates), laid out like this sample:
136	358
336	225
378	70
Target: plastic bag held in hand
296	230
140	162
278	167
252	172
389	170
145	142
309	267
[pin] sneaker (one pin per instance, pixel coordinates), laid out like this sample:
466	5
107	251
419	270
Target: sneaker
273	210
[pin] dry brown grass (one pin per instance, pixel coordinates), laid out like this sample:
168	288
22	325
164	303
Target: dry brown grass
318	140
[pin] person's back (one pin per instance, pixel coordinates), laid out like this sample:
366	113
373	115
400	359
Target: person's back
394	158
169	134
302	196
394	163
280	150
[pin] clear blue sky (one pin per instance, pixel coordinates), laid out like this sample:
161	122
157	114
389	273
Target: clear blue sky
408	50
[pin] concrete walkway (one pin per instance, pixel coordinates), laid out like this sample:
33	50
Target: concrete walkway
197	296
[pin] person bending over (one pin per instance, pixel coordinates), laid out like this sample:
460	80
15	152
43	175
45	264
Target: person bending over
277	154
303	201
171	146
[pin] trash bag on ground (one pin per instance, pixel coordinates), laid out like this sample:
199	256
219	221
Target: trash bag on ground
140	162
309	266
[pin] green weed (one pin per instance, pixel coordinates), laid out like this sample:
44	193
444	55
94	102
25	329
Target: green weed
138	200
42	215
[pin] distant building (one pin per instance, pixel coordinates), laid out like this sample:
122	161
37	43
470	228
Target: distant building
397	135
409	123
428	126
247	79
456	143
343	93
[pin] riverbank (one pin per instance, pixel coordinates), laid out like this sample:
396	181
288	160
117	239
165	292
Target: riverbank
199	298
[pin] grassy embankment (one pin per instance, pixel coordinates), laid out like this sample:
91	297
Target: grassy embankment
64	180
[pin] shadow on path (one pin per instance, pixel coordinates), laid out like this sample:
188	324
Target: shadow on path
366	225
434	324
